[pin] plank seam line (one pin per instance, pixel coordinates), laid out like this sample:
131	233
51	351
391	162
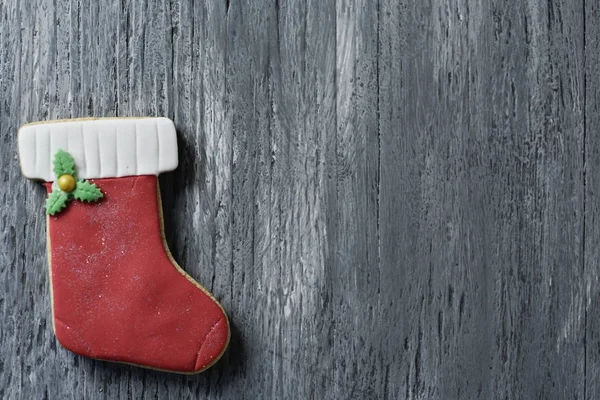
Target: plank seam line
583	226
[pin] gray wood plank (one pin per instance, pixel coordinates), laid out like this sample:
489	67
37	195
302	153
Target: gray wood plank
592	191
358	344
390	199
481	199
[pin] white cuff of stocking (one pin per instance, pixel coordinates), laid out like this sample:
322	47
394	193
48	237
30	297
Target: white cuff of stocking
101	148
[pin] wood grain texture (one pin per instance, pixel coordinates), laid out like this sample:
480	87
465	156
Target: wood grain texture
592	199
392	199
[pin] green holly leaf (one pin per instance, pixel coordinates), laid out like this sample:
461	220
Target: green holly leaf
56	202
63	164
86	191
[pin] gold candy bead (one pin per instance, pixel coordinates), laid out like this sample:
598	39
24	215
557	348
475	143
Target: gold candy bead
66	183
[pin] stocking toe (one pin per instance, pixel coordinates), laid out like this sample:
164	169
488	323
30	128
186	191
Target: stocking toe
213	345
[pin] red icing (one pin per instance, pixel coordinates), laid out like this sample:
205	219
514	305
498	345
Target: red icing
116	294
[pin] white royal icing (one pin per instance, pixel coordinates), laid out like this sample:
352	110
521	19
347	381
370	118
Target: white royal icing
101	148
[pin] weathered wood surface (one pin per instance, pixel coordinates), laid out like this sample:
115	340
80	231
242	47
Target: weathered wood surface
392	198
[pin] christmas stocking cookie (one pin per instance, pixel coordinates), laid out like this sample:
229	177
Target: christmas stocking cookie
117	294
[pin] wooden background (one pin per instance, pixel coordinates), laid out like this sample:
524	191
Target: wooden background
392	199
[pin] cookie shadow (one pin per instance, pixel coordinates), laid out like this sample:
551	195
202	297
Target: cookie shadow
189	173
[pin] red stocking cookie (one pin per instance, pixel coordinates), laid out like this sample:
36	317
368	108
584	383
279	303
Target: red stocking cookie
117	293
